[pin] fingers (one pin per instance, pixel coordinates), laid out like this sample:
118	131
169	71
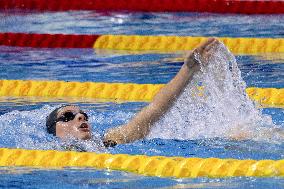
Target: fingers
212	45
204	44
207	45
202	50
109	143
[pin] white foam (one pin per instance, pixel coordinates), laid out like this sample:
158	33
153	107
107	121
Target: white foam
26	129
223	110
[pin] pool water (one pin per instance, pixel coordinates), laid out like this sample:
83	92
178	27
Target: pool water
22	123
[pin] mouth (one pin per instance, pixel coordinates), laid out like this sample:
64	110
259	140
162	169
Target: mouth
84	127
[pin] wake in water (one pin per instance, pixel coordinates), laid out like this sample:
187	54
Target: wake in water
215	104
220	108
26	129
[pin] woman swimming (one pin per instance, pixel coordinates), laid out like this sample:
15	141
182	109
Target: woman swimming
71	122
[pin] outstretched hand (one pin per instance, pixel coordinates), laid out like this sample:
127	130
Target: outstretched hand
140	126
205	49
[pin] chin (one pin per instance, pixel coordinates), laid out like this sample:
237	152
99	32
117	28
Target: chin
85	136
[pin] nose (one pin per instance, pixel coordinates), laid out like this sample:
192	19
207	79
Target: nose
80	117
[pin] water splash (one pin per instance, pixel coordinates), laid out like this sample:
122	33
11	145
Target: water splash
26	129
221	108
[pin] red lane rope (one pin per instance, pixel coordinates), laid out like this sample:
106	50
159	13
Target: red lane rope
47	40
216	6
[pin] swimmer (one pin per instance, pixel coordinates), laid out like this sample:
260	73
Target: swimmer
71	122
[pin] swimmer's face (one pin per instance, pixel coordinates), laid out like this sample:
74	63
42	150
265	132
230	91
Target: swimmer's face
72	123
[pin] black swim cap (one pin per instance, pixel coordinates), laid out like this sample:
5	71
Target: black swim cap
51	121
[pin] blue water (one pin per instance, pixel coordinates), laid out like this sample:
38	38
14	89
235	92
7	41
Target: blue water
22	119
90	22
87	65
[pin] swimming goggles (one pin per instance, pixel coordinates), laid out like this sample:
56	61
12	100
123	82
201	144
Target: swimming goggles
69	116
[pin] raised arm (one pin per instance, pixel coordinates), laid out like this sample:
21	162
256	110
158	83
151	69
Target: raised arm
141	124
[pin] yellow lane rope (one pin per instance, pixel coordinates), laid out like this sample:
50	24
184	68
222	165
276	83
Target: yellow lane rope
113	91
175	43
119	91
178	167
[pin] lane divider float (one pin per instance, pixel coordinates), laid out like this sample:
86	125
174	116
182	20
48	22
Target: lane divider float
176	43
139	42
47	40
271	97
178	167
214	6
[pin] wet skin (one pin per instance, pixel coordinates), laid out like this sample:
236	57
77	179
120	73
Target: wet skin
139	126
78	128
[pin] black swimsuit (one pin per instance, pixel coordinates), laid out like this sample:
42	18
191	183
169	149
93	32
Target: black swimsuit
79	148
